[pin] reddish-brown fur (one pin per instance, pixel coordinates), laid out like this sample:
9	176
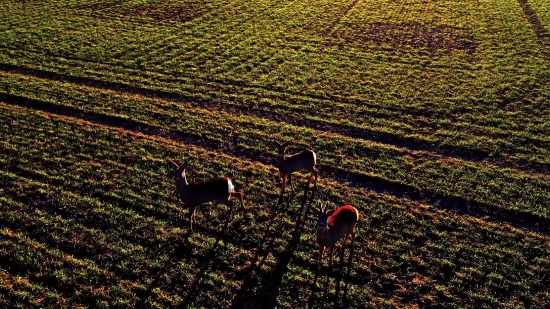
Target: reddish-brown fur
346	213
334	225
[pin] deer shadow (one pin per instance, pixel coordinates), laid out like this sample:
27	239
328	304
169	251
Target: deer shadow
343	302
182	251
266	296
177	251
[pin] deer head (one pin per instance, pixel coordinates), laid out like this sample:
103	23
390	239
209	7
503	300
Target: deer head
323	215
282	148
179	172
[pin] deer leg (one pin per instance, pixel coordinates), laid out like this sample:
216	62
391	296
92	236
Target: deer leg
240	196
316	173
321	251
351	249
344	244
191	215
284	183
291	184
230	211
331	250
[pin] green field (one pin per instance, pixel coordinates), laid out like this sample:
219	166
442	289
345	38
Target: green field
431	117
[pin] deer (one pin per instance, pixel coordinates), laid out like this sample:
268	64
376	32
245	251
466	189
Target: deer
287	165
332	226
197	193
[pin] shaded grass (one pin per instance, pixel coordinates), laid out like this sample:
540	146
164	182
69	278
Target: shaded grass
347	159
446	253
443	147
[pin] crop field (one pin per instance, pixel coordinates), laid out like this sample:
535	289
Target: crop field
431	117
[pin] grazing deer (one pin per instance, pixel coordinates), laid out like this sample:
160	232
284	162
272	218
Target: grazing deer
333	225
287	165
197	193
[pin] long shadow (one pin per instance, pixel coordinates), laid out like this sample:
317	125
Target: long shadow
338	277
350	131
177	254
323	299
344	300
206	264
348	274
457	204
313	288
266	296
177	250
268	239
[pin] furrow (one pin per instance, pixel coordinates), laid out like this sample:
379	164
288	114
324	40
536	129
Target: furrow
519	219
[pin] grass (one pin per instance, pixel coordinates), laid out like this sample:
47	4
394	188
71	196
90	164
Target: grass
431	118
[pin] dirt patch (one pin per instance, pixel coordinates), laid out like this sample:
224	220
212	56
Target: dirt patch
410	35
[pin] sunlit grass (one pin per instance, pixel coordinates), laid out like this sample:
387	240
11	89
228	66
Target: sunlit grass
432	118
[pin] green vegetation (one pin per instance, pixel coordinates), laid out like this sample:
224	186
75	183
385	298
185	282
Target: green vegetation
432	118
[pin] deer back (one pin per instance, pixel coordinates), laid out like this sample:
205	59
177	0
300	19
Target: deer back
304	160
340	223
197	193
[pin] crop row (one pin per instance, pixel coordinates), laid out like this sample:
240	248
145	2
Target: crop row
348	159
450	260
235	53
468	133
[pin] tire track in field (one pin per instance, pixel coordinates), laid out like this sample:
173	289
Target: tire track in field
407	143
342	15
456	204
541	32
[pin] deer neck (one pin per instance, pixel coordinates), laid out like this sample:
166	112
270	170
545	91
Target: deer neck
281	158
184	178
282	151
327	236
181	184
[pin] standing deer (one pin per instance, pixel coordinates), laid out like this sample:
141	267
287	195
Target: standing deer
287	165
332	226
197	193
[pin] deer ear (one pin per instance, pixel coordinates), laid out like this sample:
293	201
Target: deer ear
325	208
322	207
